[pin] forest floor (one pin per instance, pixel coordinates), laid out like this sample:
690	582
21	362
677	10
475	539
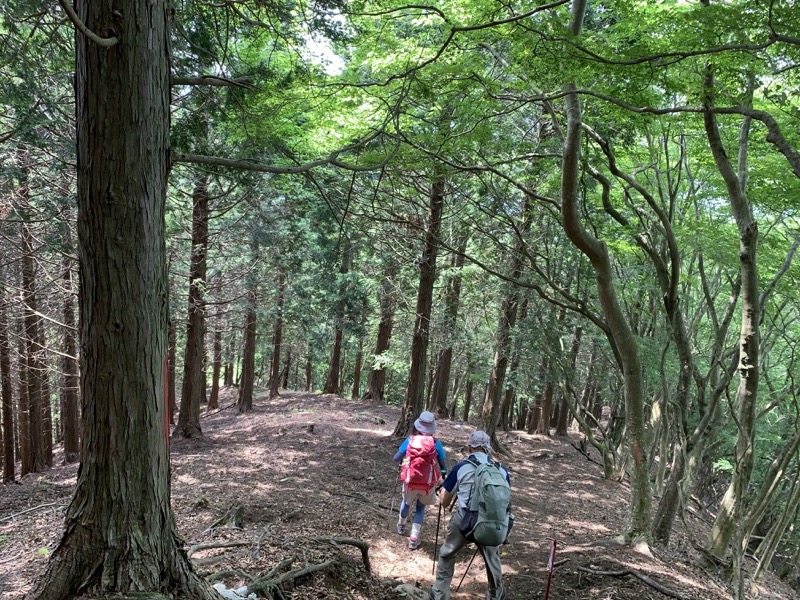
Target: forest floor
301	487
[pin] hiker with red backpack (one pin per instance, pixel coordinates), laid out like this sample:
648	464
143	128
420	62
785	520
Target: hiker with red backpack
423	465
481	490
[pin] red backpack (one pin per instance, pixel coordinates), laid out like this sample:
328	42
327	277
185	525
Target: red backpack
421	466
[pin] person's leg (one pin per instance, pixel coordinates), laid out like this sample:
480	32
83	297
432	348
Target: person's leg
405	507
446	565
416	525
494	572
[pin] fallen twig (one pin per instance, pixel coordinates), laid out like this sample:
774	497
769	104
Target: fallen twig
644	578
11	517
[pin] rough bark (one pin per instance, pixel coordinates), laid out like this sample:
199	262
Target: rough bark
377	375
563	410
415	386
277	338
452	298
490	411
245	403
638	526
23	414
6	393
213	397
34	360
69	367
357	370
172	357
193	389
119	534
332	381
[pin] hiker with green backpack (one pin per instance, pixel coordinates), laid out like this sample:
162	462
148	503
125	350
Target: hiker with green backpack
481	490
423	466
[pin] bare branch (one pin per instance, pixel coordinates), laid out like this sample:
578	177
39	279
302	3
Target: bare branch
213	80
79	25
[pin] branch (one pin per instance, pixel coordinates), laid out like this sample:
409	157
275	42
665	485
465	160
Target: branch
652	583
213	80
73	16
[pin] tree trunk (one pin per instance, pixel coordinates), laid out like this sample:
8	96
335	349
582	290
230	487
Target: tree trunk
193	387
277	337
543	427
490	410
172	358
377	375
332	385
415	386
357	370
213	398
23	414
6	393
69	366
228	377
34	359
563	409
119	533
724	530
309	372
452	298
245	403
625	343
468	390
285	372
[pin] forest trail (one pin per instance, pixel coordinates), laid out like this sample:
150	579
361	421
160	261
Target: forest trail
337	480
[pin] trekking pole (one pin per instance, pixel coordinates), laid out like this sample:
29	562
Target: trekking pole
436	544
394	494
468	566
550	564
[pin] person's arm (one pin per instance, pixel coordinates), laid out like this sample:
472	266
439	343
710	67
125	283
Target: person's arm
401	451
442	457
449	486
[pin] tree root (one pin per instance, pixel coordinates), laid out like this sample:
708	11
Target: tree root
644	578
270	586
233	519
360	544
211	545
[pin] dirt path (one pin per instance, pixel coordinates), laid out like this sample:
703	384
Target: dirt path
338	480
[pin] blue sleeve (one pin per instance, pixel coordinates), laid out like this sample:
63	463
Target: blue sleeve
401	451
441	455
452	477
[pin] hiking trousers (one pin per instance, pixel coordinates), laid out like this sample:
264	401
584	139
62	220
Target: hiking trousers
453	543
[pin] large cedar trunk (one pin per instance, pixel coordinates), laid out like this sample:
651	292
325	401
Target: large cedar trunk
563	410
119	534
377	376
172	357
277	337
6	393
415	386
69	366
193	389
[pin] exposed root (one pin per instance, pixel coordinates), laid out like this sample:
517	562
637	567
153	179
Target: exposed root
644	578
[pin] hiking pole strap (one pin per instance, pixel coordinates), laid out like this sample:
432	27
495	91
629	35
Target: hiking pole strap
468	566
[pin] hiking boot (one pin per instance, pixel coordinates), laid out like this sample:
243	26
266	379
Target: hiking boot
401	529
413	543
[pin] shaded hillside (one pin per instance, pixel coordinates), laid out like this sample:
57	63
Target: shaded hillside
295	490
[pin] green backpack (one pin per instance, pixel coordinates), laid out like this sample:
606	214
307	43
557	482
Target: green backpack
487	518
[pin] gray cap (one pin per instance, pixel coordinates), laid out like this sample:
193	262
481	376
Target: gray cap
426	423
479	439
